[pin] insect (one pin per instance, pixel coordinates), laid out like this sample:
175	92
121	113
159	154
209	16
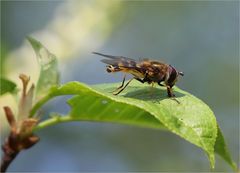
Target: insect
150	71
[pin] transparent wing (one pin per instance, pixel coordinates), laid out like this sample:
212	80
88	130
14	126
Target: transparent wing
118	60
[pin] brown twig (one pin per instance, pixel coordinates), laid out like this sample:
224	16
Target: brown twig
19	138
8	157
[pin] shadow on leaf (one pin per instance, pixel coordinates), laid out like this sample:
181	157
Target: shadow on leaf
151	94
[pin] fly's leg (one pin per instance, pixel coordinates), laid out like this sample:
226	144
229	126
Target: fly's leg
140	80
170	92
146	80
121	84
152	90
159	83
121	89
171	95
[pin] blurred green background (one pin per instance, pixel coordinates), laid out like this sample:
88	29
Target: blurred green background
199	38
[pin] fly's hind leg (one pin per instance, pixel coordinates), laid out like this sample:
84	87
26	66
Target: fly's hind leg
122	88
124	78
140	80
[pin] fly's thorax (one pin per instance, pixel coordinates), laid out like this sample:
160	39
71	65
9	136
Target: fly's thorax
154	71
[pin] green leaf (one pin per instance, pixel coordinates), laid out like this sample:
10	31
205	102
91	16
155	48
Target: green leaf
191	119
221	149
3	56
141	105
49	75
6	86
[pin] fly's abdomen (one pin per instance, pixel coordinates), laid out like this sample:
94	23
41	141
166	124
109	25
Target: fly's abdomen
116	65
113	68
120	63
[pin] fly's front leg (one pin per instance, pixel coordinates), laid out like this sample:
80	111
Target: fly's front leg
171	95
170	92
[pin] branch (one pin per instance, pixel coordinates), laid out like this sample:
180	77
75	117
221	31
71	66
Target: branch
19	138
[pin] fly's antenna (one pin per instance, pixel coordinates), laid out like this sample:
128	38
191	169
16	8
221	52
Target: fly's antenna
181	73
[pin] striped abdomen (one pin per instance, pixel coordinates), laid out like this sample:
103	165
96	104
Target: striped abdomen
120	63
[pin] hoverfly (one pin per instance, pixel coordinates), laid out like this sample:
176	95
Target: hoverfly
150	71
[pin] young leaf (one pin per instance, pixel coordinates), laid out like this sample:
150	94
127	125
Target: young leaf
6	86
49	75
187	116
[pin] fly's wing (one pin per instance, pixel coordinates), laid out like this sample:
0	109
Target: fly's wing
119	61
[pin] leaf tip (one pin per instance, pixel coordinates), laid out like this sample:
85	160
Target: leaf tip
34	43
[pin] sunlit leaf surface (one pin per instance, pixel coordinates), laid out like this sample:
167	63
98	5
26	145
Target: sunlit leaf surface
141	105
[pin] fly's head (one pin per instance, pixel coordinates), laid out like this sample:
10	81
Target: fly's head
173	75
